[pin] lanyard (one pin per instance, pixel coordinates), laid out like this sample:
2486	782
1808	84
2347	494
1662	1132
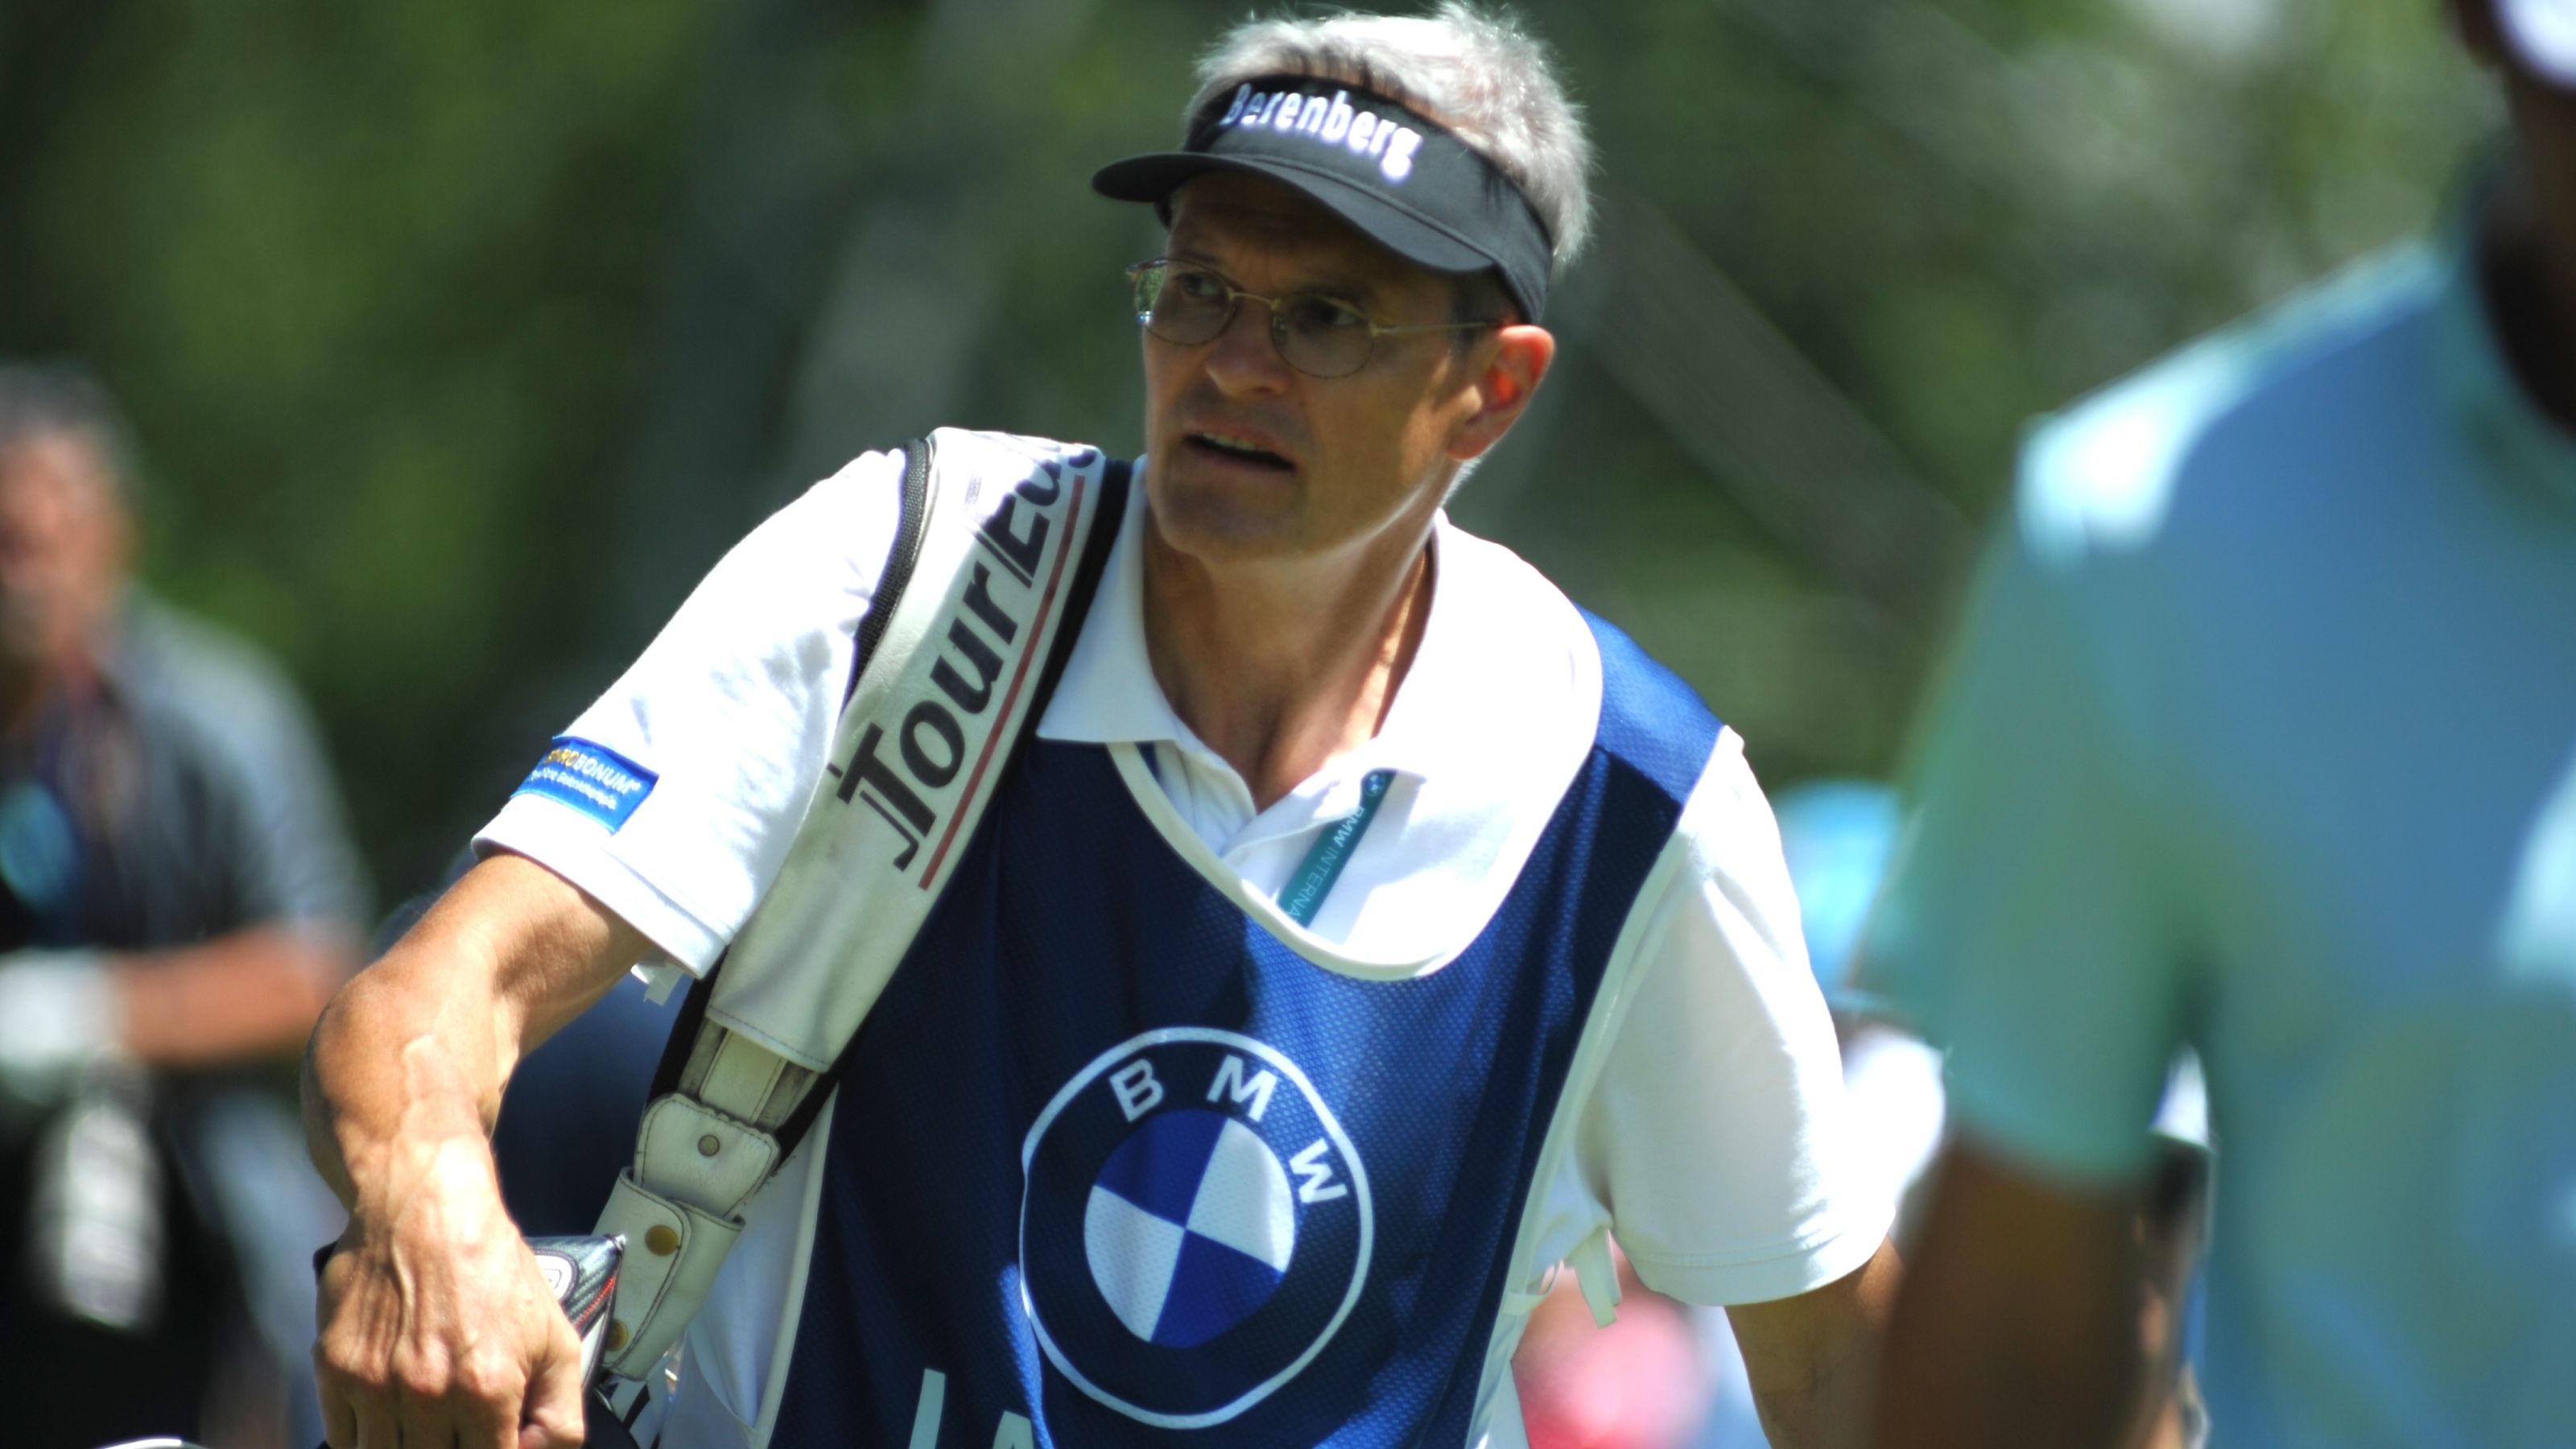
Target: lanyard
1331	851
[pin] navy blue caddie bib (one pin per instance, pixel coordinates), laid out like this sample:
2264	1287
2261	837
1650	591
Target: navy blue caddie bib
1111	1159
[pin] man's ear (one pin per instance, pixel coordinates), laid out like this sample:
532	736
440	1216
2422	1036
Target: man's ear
1521	354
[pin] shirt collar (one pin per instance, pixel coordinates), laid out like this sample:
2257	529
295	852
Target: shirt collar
2476	381
1108	695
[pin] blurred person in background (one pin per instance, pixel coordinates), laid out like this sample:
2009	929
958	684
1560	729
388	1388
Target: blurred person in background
177	901
2261	738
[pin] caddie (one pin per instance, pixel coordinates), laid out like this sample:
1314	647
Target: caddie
1185	949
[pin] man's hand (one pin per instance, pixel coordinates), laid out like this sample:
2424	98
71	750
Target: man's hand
57	1014
438	1328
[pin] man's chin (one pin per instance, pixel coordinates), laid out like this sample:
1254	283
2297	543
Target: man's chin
1216	521
1227	543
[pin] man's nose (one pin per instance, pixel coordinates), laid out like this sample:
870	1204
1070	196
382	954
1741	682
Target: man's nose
1243	360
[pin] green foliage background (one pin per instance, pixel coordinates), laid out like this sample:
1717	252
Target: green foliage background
461	337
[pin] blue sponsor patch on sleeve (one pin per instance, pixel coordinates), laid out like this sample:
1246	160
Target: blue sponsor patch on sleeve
591	778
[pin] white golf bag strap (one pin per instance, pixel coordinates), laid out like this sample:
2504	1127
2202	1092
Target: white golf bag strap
1008	534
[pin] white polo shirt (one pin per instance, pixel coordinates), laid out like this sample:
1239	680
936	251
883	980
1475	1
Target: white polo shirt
1713	1144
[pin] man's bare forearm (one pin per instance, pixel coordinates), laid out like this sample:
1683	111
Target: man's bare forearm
405	1068
405	1071
437	1326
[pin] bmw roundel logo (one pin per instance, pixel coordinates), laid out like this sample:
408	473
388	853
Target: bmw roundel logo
1195	1226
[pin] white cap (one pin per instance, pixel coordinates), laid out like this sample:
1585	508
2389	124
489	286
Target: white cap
2543	33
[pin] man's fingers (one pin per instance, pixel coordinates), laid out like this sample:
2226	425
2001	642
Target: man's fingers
349	1405
376	1424
358	1402
426	1425
473	1406
438	1348
552	1410
487	1407
339	1421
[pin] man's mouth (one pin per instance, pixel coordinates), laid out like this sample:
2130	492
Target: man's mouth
1237	449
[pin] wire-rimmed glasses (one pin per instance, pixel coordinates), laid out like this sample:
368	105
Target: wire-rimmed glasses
1316	333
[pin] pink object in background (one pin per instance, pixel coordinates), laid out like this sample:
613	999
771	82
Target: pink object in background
1638	1384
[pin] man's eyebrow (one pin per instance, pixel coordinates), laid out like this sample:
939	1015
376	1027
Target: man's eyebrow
1347	288
1343	286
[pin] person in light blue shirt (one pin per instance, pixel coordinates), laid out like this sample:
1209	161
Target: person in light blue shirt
2261	739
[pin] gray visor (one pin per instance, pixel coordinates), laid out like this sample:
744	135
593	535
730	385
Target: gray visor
1403	182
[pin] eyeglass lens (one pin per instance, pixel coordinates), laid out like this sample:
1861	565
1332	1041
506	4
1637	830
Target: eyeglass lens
1190	306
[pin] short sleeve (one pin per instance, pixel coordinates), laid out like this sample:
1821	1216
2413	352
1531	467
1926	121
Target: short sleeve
724	720
2025	924
1716	1134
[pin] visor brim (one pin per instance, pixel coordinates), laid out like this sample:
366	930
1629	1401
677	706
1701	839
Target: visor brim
1154	177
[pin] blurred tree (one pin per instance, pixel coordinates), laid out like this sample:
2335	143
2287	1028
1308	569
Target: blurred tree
372	282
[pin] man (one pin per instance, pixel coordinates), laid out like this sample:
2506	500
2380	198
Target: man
2262	739
1281	1005
177	901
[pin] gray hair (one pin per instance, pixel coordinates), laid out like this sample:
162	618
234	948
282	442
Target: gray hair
1479	73
51	399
